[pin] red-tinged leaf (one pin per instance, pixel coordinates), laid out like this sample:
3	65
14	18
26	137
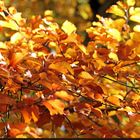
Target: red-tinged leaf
26	115
3	107
55	106
5	99
44	118
16	129
97	112
2	125
58	120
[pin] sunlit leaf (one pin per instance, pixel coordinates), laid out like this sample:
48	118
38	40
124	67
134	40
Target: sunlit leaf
55	106
68	27
115	33
135	17
130	2
9	24
16	37
113	56
136	28
114	9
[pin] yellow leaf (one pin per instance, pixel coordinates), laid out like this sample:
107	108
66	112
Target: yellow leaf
64	95
85	75
130	2
68	27
135	17
55	106
136	28
112	113
113	56
3	46
9	24
114	9
115	34
83	49
114	100
16	37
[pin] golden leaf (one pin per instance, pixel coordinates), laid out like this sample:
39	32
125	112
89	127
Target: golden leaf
17	57
16	37
113	56
68	27
3	46
135	17
115	34
64	95
85	75
130	2
55	106
136	28
62	67
114	9
83	49
9	24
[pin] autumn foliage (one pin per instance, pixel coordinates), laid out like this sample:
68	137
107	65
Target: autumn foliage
52	85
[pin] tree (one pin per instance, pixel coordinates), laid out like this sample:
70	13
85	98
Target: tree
52	85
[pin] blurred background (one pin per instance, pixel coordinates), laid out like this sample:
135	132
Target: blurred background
79	12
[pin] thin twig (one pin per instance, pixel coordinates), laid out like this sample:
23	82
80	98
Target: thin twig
69	122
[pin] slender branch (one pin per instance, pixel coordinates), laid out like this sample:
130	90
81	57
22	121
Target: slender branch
120	82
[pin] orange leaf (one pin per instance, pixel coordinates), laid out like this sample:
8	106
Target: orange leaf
114	100
62	67
64	95
26	115
17	57
85	75
55	106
